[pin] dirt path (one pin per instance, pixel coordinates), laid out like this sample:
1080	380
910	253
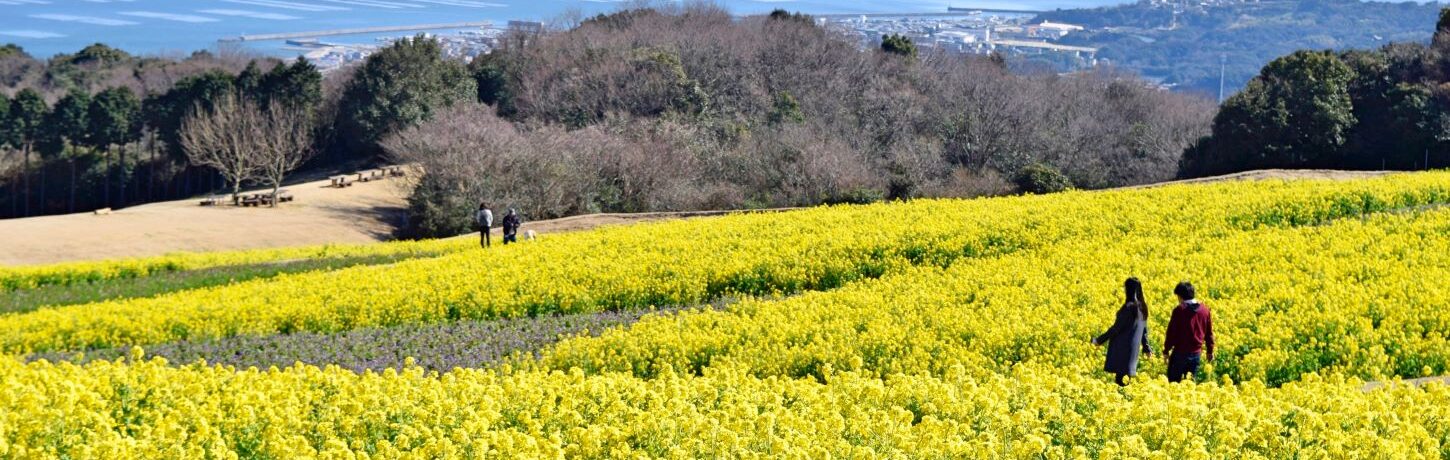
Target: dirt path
1278	174
363	213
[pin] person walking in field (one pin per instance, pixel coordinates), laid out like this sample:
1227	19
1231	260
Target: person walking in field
511	223
1190	333
1128	334
484	219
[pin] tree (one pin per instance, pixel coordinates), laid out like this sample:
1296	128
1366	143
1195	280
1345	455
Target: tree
27	118
898	44
297	85
786	110
115	119
66	126
222	137
12	50
99	54
492	80
250	80
8	135
398	87
1297	113
1042	178
283	142
176	104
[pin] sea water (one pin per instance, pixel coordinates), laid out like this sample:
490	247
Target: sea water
160	27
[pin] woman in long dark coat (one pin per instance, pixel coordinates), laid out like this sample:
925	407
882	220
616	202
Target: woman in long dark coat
1128	335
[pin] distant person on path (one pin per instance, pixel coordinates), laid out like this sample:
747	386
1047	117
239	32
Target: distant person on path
1190	332
1128	334
511	223
484	219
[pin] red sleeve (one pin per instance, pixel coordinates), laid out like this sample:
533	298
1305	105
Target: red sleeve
1208	330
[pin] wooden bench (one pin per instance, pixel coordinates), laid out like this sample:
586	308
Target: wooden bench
252	200
284	196
213	200
395	171
340	181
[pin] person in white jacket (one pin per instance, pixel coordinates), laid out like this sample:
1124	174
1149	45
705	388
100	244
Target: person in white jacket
484	219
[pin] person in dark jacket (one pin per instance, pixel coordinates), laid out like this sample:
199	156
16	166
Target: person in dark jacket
511	224
1128	335
1190	333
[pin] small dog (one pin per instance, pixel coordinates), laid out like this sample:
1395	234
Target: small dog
529	235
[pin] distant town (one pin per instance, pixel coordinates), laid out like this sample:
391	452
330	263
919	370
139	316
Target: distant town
970	32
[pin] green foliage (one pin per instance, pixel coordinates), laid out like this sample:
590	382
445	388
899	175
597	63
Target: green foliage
783	15
166	111
898	44
489	74
436	209
297	85
10	50
1297	113
67	123
1040	178
250	80
398	87
786	109
27	118
99	54
115	118
7	127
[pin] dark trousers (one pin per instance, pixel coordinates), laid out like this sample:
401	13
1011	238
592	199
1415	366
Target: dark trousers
483	238
510	237
1182	365
1120	381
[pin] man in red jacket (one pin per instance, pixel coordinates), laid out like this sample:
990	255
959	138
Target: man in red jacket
1190	332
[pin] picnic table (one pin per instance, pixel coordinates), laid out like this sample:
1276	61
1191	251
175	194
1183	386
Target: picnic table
340	181
213	200
266	198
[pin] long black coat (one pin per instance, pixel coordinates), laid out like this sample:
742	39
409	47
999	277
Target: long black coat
1127	336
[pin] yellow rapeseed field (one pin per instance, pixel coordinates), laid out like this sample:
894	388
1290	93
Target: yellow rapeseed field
929	329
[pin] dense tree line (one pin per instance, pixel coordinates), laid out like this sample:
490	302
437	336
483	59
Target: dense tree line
685	107
1359	109
84	145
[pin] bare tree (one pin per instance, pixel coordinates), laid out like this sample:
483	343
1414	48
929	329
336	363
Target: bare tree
283	143
224	138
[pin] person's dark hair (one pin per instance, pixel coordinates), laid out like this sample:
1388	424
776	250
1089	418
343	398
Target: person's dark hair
1133	291
1184	291
482	206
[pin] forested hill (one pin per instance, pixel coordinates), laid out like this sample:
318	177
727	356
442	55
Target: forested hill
1185	51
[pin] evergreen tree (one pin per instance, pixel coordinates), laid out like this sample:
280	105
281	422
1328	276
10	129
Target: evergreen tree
66	128
898	44
250	80
115	116
398	87
27	118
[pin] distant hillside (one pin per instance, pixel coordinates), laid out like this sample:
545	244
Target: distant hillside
1185	51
